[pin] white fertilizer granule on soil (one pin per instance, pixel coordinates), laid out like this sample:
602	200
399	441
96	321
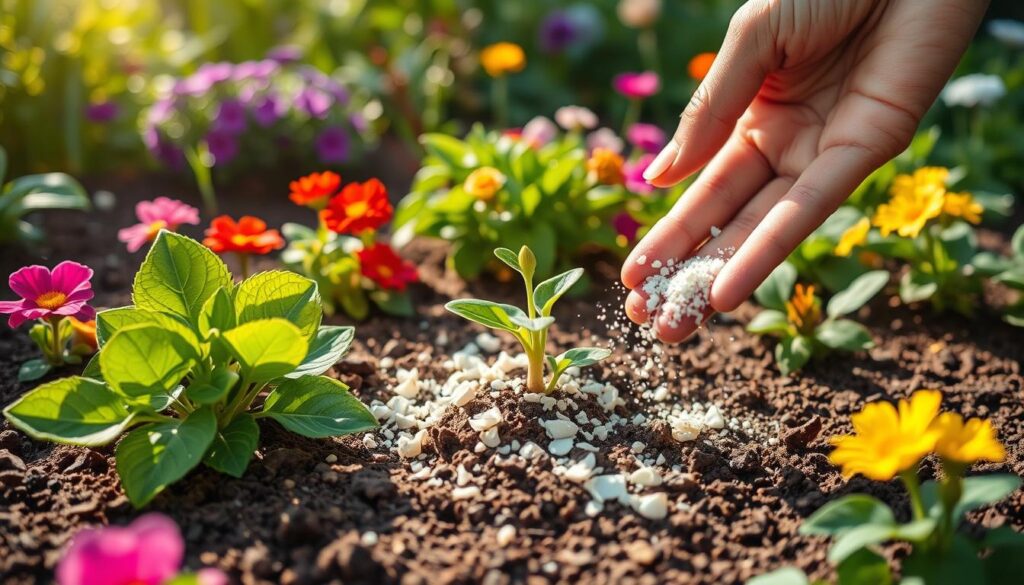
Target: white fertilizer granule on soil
679	291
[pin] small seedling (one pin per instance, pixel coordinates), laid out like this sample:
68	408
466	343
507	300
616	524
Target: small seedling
33	193
531	327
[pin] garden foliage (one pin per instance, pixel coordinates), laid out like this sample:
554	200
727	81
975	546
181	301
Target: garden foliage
32	193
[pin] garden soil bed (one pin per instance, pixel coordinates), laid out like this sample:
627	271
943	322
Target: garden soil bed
311	511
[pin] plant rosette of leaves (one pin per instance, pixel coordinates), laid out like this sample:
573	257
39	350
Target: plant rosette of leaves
32	193
796	318
494	189
346	256
530	327
941	554
180	370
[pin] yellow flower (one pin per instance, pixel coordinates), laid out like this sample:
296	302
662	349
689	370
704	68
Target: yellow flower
502	58
484	183
886	441
856	235
606	166
804	310
962	205
967	442
908	212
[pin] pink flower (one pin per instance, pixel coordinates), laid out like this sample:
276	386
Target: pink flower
160	213
538	132
637	86
148	551
605	138
63	292
625	225
575	118
634	173
646	137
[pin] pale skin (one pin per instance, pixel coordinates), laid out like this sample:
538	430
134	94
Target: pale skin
805	99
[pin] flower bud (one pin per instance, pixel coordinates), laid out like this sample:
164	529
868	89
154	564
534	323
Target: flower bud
527	261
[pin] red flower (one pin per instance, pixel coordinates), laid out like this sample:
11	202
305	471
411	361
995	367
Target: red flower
358	208
249	236
314	189
382	265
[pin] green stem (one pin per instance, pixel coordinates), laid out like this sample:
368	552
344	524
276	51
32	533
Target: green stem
632	115
204	179
56	347
243	262
914	491
499	93
951	490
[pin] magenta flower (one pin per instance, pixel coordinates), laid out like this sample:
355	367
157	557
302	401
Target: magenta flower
332	145
63	292
626	226
646	137
637	86
162	213
634	173
101	112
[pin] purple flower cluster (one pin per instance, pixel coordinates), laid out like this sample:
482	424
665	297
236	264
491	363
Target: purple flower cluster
570	30
235	108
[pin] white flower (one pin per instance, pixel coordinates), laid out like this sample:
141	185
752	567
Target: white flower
1008	32
539	131
974	90
575	118
639	13
605	138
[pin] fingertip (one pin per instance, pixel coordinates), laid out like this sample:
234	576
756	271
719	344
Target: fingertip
726	293
636	307
671	333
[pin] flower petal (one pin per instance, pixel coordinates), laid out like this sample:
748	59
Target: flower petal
69	277
31	281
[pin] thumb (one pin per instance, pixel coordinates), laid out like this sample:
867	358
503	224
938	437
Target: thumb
739	69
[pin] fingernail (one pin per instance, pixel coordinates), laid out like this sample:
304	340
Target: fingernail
661	162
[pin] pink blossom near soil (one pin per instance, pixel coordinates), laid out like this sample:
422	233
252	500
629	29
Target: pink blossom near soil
62	292
646	137
605	138
160	213
575	118
637	86
538	132
634	173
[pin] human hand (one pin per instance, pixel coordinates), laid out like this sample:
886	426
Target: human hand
804	100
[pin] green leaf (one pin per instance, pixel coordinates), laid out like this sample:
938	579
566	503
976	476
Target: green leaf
558	173
582	356
141	361
33	369
452	151
509	257
846	513
493	315
318	407
218	313
957	566
850	541
777	288
864	567
783	576
859	292
792	353
769	321
327	348
1017	242
210	391
110	321
283	295
234	445
916	531
92	368
538	324
154	456
984	490
844	334
178	276
79	411
266	349
552	289
393	302
917	286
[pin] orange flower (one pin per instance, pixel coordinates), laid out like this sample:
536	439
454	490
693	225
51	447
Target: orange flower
313	190
606	166
248	236
501	59
358	208
83	333
382	265
803	311
700	65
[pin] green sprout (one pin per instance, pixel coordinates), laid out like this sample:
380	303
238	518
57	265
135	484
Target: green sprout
531	327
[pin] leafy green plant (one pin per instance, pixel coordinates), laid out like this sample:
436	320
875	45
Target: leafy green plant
185	364
1012	275
31	193
530	327
793	313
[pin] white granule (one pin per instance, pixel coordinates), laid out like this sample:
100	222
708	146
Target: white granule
642	259
683	292
715	232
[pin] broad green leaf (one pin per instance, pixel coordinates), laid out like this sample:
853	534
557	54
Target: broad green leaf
859	292
452	151
509	257
915	531
1017	242
33	369
538	324
559	172
141	361
777	288
392	302
178	276
548	292
792	353
784	576
958	565
79	411
864	567
234	445
917	286
857	538
266	349
154	456
467	259
846	513
844	334
984	490
210	391
318	407
327	348
47	191
280	294
110	321
218	313
769	321
92	368
493	315
583	356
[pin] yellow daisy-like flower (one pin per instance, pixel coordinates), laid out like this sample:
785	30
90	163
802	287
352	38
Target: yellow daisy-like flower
907	214
888	441
967	442
855	236
803	311
606	166
484	183
502	58
962	205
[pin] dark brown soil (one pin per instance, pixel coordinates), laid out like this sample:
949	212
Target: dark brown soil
334	511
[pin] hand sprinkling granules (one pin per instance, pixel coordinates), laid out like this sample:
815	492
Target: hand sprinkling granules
681	290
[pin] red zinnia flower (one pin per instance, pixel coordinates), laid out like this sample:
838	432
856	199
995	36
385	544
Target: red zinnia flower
314	189
358	208
248	236
382	265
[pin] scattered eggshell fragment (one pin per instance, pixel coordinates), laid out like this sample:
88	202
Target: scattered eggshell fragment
464	394
505	535
490	437
560	429
488	343
581	471
560	447
607	488
411	446
652	506
645	477
464	493
713	418
486	419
